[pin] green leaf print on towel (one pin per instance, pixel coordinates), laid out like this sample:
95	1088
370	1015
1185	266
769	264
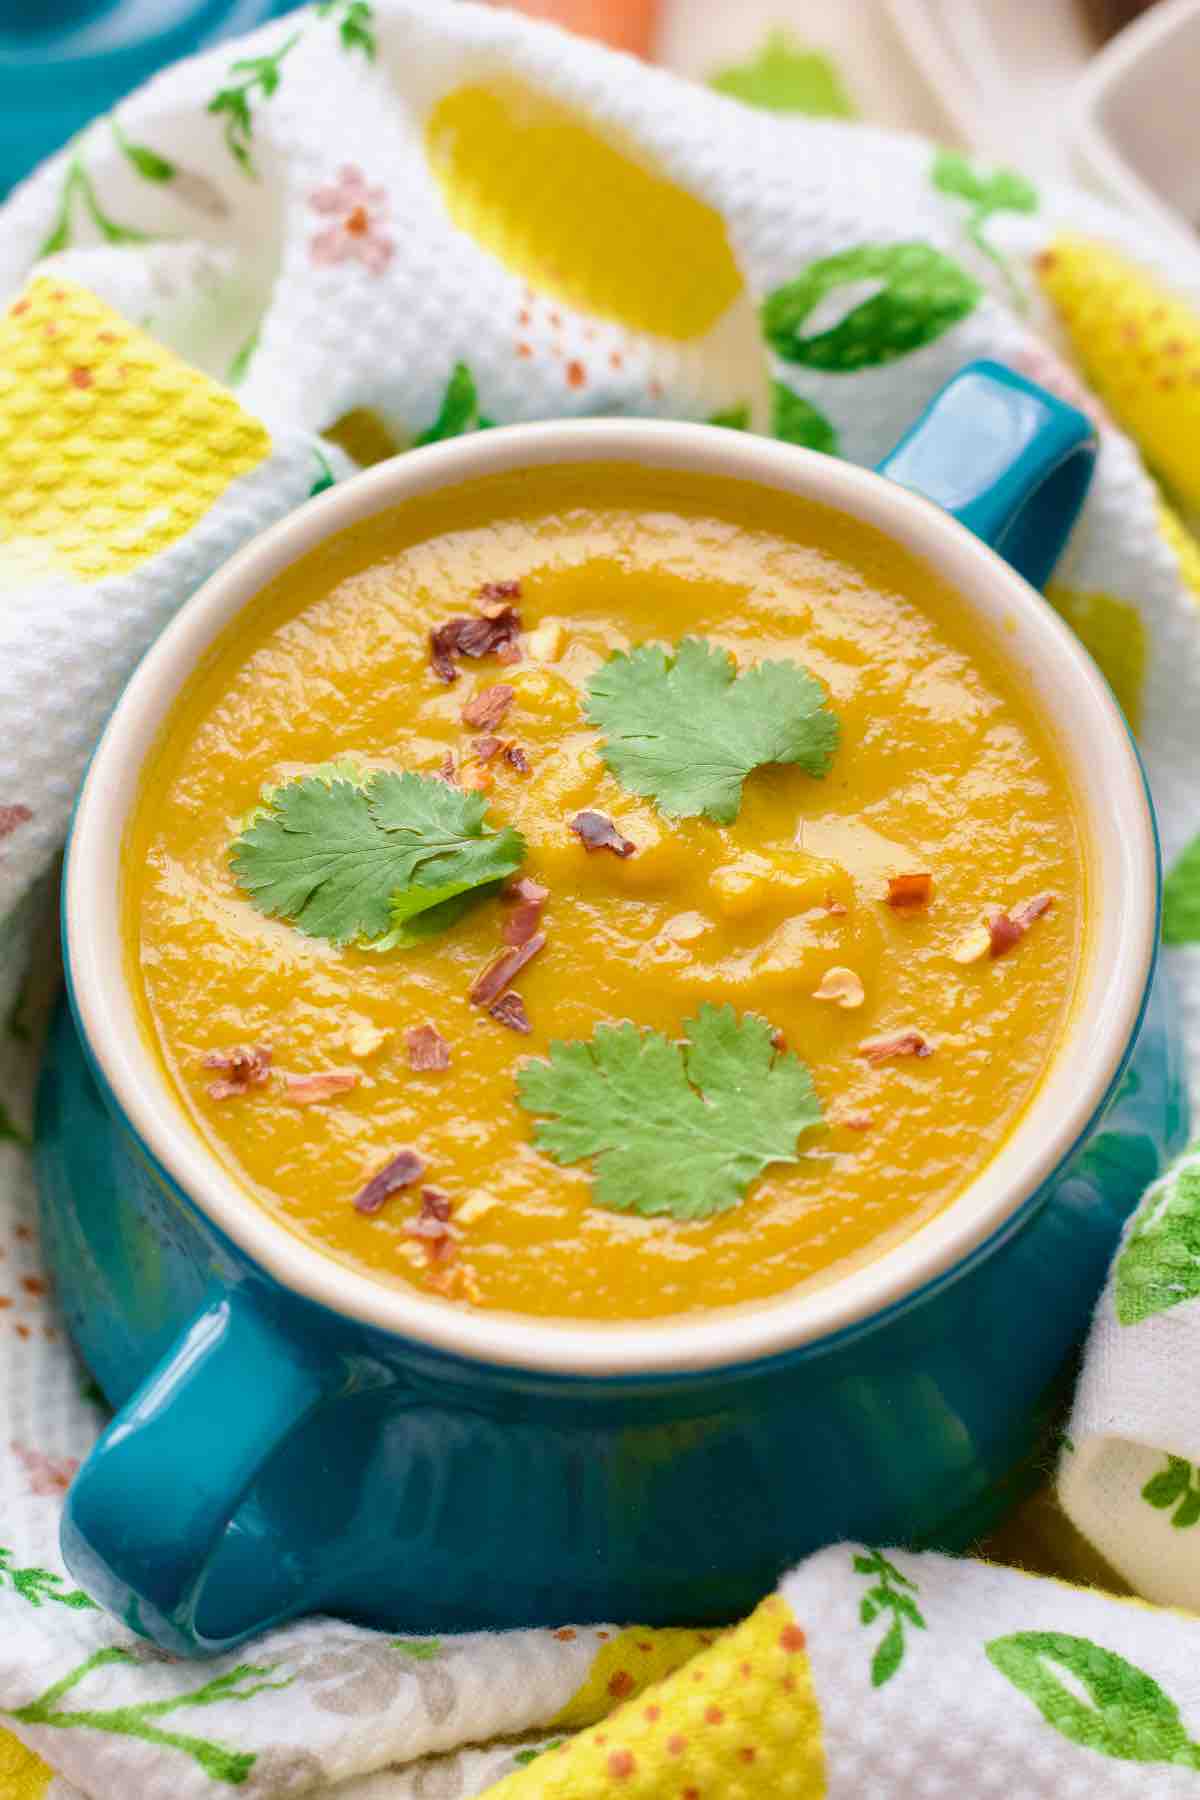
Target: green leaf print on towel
784	77
217	1760
78	187
354	20
887	1595
1181	899
36	1585
919	294
148	163
1002	191
1175	1484
1159	1266
1129	1718
459	411
233	104
797	421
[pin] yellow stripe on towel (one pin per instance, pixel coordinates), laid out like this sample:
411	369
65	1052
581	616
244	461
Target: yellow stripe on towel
111	447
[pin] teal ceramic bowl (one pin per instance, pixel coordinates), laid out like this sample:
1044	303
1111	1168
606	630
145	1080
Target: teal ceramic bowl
292	1437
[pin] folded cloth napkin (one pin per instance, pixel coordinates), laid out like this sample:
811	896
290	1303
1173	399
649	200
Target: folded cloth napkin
380	223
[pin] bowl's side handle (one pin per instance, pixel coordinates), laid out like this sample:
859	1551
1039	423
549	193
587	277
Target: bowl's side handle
147	1512
1010	461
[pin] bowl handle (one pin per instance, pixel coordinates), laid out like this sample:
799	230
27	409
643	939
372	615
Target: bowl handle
153	1506
1010	461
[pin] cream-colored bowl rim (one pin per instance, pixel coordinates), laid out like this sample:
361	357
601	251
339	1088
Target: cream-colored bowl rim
1101	762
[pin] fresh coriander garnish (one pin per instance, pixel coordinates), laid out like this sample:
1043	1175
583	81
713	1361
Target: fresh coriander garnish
677	1128
376	861
684	729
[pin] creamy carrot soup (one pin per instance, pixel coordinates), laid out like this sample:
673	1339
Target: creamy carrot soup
605	894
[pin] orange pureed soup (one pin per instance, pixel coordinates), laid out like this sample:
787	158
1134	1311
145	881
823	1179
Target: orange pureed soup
716	790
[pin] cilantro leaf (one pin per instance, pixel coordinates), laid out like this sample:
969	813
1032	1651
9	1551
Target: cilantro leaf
673	1128
685	730
362	860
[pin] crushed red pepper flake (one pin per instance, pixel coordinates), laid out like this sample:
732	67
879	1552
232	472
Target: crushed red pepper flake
405	1167
307	1090
11	816
1007	929
487	708
526	916
516	758
244	1067
491	632
907	1041
501	971
596	831
510	1010
427	1048
907	892
432	1224
447	770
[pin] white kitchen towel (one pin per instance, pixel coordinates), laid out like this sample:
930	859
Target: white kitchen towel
375	224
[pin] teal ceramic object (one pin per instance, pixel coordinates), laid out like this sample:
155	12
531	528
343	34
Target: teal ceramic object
64	63
272	1456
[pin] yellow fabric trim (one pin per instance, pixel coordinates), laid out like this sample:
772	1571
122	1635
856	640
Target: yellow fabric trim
738	1721
23	1776
623	1667
1114	632
1185	546
111	448
1138	345
518	171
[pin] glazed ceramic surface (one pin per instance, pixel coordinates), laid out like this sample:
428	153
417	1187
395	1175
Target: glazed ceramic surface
294	1437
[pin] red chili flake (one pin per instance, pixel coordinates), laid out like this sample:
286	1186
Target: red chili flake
615	358
81	378
778	1040
487	708
487	747
792	1639
447	771
524	350
597	832
1029	910
12	816
526	915
516	758
432	1224
500	972
909	891
908	1041
576	374
306	1090
621	1764
33	1284
19	306
620	1684
493	633
244	1067
1007	929
510	1010
403	1169
1003	932
427	1048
